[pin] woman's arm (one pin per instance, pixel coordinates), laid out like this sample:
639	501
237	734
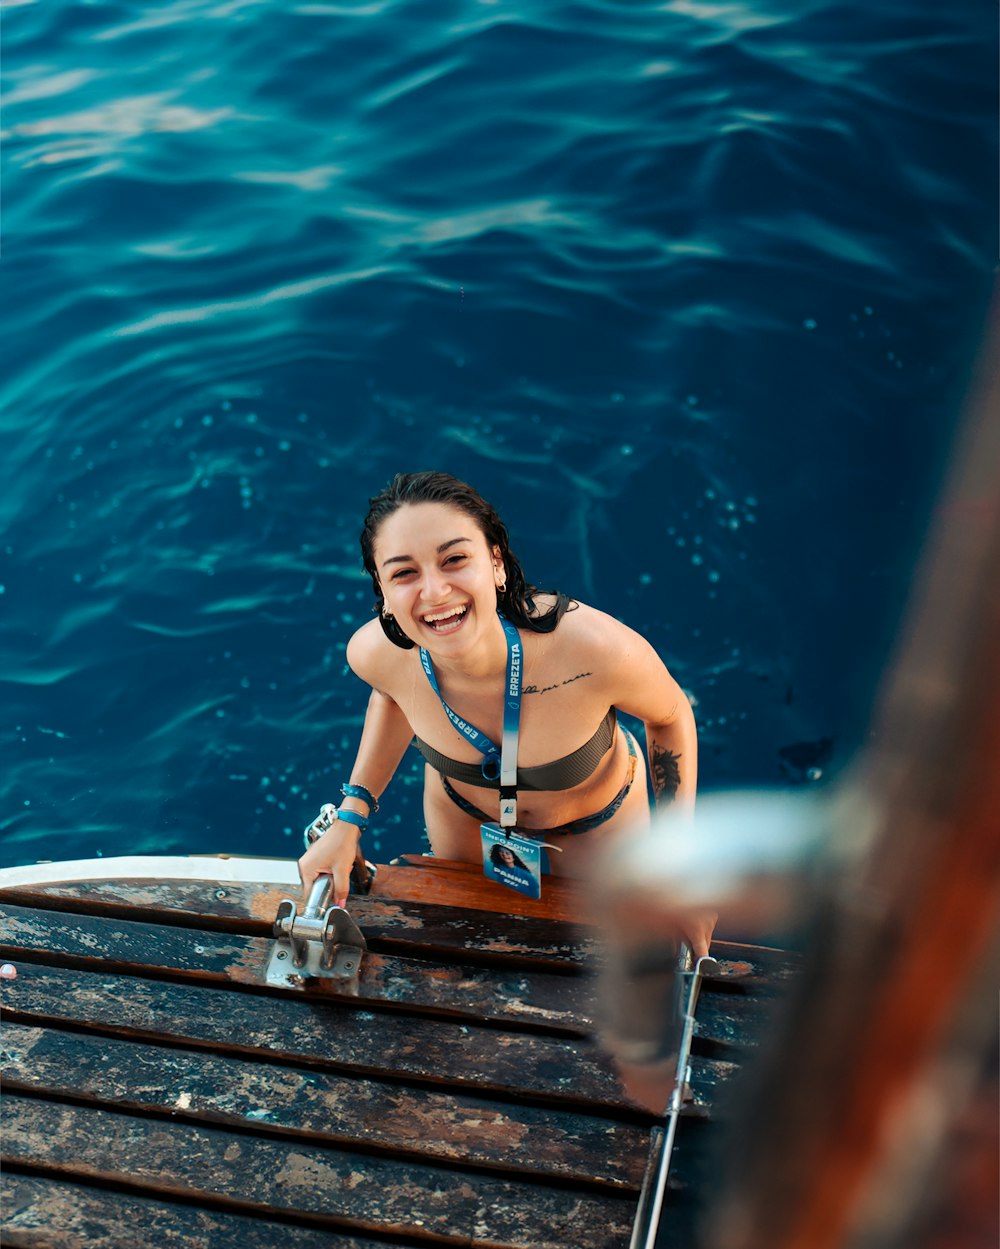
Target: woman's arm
672	746
640	685
644	688
384	739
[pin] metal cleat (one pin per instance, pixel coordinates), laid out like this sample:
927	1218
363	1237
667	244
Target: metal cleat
318	944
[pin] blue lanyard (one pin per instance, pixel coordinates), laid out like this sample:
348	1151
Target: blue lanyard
498	762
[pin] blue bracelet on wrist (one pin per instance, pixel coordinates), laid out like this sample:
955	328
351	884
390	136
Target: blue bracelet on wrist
362	792
324	822
352	817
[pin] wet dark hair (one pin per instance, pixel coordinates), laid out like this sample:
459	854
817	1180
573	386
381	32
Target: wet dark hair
496	857
516	601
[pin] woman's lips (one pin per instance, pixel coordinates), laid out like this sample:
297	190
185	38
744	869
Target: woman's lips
448	620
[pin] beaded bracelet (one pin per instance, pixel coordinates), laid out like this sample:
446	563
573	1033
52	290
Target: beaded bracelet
362	792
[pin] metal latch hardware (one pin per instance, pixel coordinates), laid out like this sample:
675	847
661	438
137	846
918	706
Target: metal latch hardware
319	943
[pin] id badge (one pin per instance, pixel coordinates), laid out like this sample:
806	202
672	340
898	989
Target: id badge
512	860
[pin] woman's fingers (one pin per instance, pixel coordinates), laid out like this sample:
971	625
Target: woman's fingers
311	869
700	928
341	887
309	872
332	855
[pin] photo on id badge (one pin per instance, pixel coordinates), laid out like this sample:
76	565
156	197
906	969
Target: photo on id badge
512	860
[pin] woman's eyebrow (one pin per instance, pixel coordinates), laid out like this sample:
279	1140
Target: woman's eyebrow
408	559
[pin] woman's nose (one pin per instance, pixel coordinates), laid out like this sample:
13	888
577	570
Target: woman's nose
435	587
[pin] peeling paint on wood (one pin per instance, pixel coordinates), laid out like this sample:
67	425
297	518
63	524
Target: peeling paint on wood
451	883
480	992
327	1035
49	1214
349	1112
459	1098
361	1193
709	1078
251	908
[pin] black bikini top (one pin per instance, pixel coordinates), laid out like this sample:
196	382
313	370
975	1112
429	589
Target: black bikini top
564	773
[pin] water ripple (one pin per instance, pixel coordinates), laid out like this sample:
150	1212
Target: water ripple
687	287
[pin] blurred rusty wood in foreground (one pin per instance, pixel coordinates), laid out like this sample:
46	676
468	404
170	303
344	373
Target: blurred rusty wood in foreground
866	1126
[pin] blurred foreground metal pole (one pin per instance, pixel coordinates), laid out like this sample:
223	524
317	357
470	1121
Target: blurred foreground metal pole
647	1219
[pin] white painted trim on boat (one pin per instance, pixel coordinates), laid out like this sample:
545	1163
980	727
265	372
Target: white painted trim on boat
157	867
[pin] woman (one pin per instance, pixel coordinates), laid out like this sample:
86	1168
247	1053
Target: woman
442	569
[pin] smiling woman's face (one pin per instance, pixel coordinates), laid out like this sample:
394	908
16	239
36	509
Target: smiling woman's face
438	576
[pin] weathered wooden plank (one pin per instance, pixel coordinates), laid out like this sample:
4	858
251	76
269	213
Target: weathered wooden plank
250	908
737	970
361	1193
41	1213
348	1112
727	1034
760	968
447	882
436	903
727	1024
326	1035
527	997
711	1082
451	884
225	906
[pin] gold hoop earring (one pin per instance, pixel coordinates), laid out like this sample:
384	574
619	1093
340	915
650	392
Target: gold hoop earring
501	587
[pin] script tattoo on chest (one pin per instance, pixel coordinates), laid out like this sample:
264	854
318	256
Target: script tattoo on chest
544	689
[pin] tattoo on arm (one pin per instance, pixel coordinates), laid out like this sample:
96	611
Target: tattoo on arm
544	689
665	773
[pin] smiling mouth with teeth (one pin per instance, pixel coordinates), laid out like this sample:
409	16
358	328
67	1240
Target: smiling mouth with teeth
448	619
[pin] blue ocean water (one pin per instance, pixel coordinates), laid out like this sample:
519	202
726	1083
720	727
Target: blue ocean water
690	290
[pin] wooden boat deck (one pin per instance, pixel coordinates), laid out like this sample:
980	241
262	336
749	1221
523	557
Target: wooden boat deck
158	1092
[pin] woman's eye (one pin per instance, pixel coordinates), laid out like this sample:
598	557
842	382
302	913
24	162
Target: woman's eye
403	572
454	558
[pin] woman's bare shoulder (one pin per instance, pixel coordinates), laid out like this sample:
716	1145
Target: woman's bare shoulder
591	622
591	631
624	662
372	656
576	612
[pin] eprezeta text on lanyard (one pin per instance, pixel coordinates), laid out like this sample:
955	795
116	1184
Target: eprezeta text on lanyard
498	762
